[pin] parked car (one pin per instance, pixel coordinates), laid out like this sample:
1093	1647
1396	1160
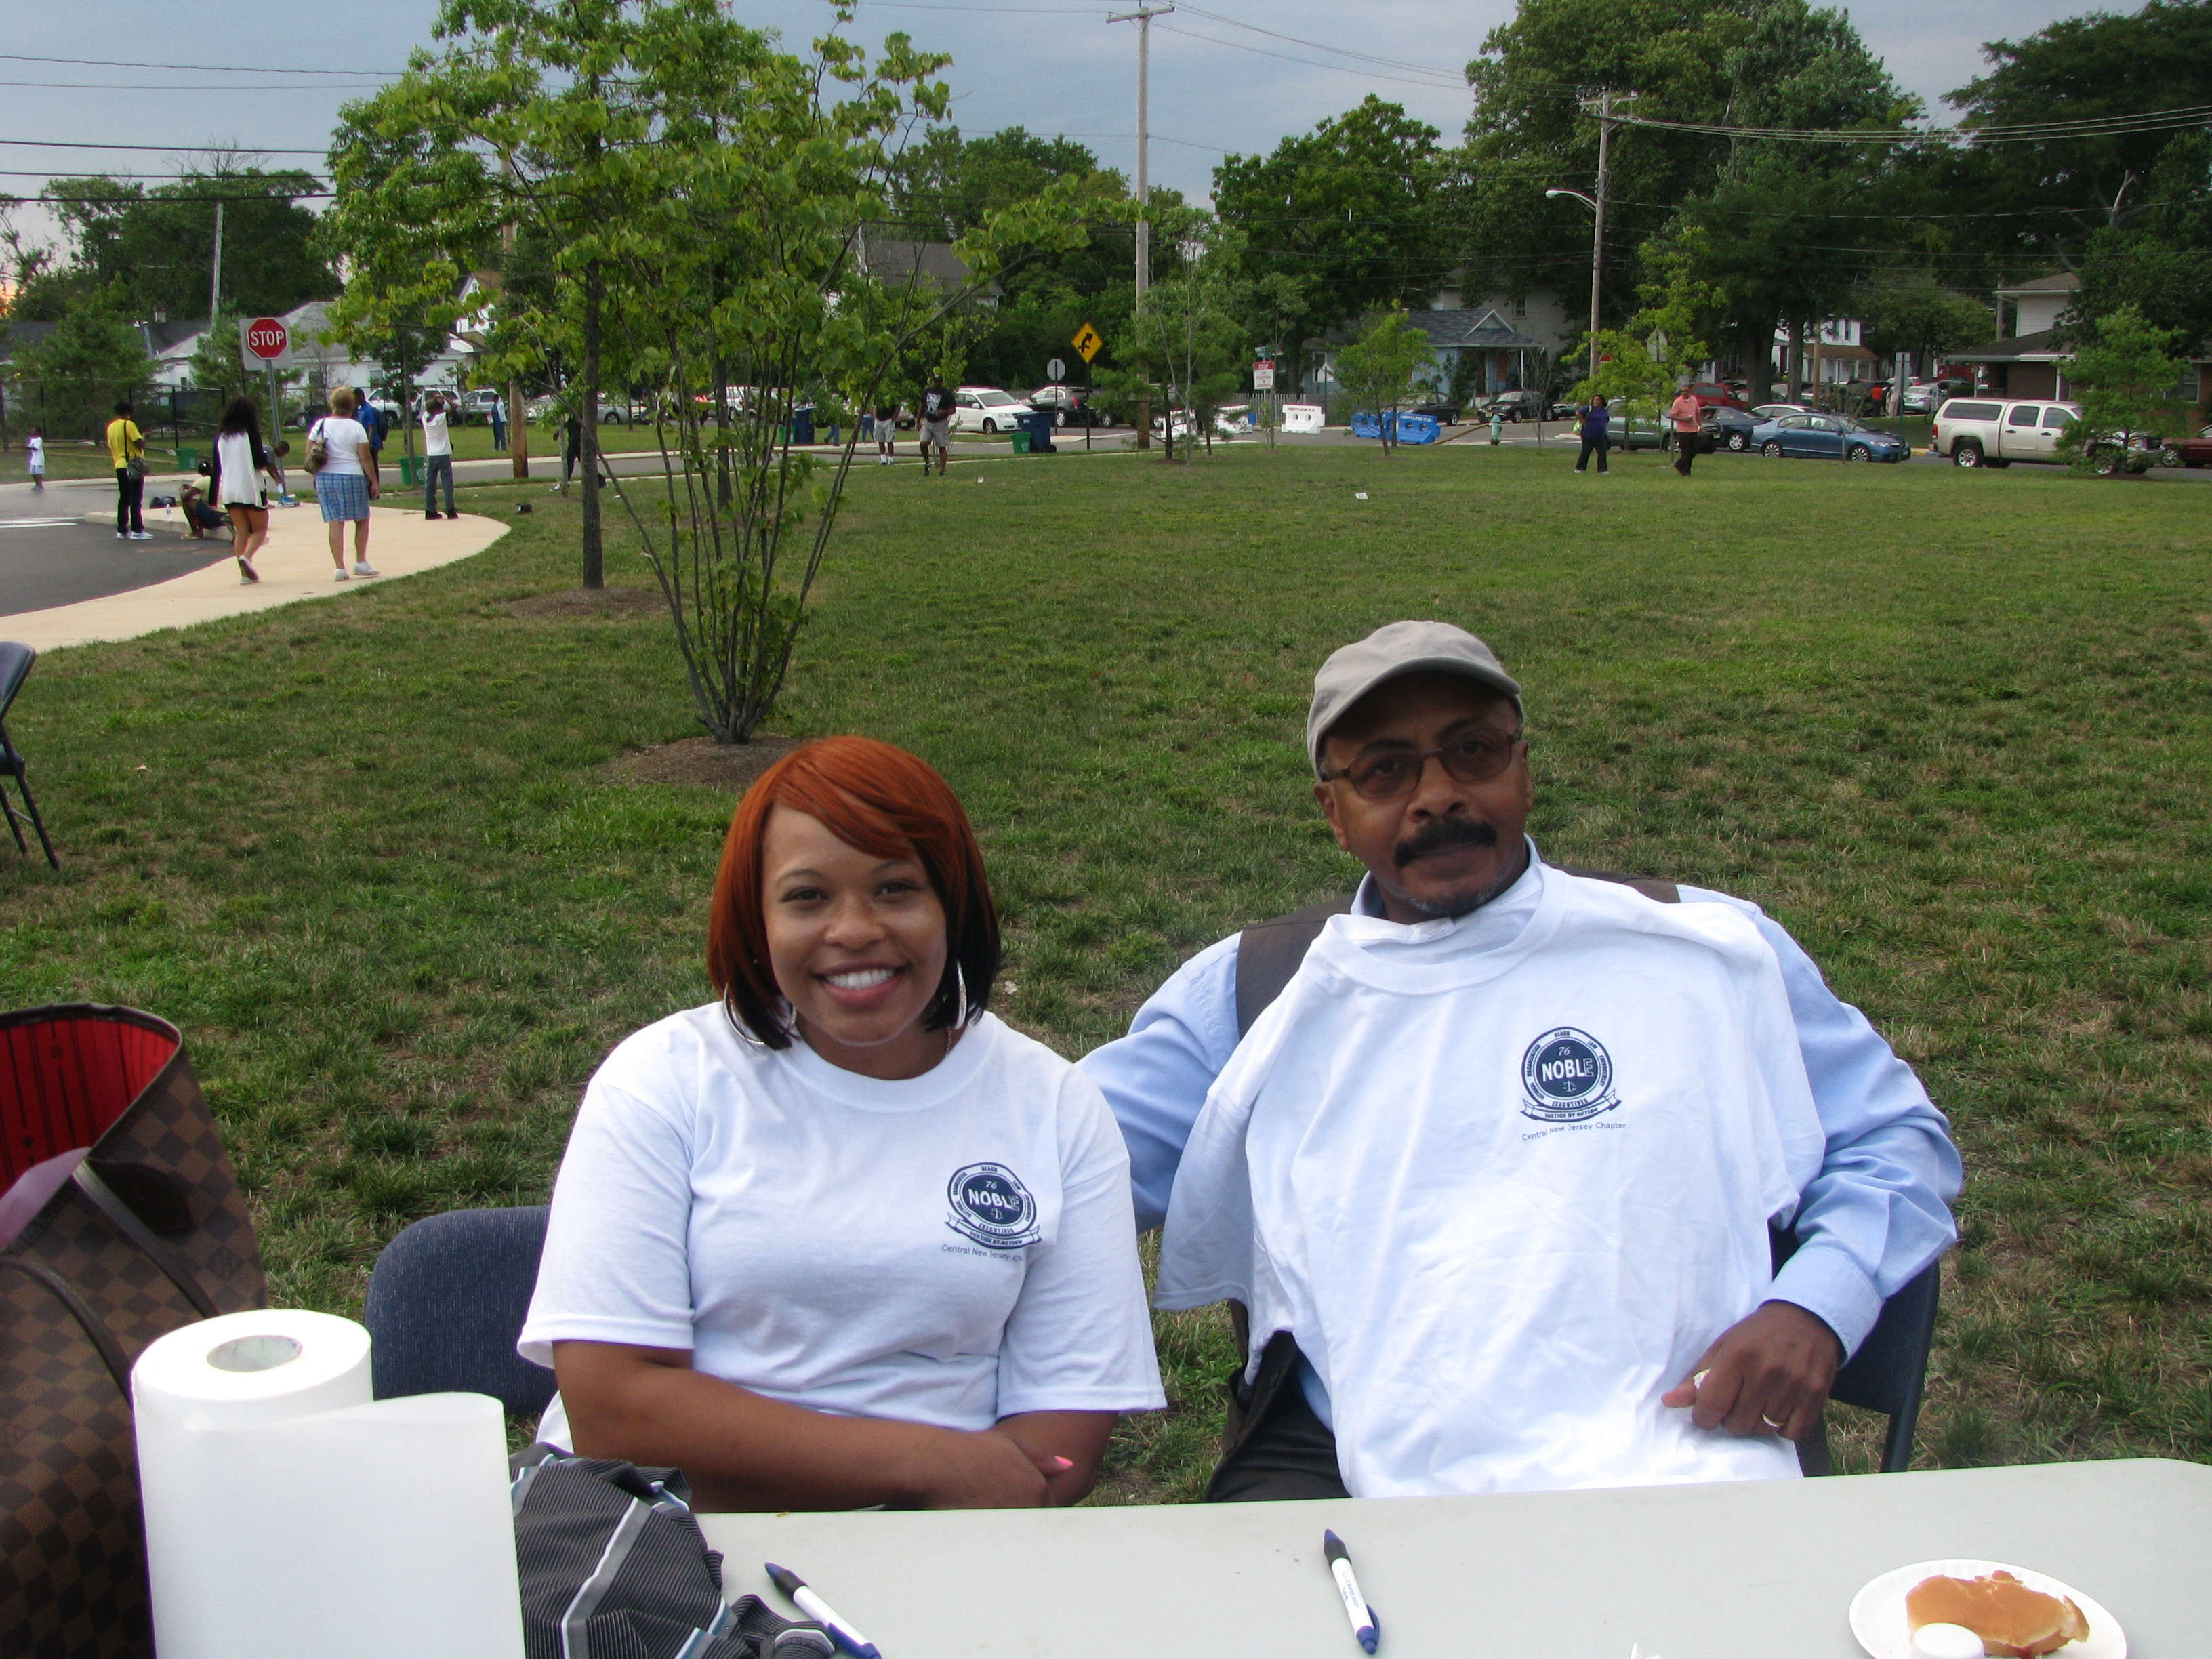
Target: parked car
1520	405
1069	406
985	409
2188	451
1712	394
1993	432
1776	412
1635	431
477	403
1442	413
1727	428
1828	437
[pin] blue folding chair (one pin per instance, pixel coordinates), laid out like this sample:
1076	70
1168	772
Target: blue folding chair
16	660
447	1301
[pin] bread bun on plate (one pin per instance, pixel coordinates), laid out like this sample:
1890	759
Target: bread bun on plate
2013	1621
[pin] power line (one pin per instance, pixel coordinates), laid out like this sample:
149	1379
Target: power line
1315	62
1457	76
210	69
135	86
163	150
2169	120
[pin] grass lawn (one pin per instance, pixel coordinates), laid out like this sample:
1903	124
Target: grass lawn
1954	730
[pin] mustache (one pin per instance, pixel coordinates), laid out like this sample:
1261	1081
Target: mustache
1439	834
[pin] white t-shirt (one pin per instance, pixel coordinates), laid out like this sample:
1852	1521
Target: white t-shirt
342	437
949	1250
237	478
38	448
1505	1178
437	439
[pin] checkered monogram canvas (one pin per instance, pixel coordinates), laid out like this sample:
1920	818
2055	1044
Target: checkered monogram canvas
149	1233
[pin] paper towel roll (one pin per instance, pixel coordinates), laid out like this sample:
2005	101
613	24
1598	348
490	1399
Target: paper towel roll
287	1513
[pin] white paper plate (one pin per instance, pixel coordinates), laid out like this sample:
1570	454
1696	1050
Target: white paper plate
1878	1610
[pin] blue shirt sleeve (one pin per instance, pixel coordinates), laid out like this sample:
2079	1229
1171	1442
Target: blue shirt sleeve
1879	1212
1156	1077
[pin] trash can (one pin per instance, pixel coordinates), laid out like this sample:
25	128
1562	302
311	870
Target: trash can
802	424
410	471
1033	433
188	458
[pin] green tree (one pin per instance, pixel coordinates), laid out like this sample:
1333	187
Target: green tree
2045	199
1746	62
218	367
1346	218
2124	383
529	114
157	245
1911	311
1377	369
1627	370
70	381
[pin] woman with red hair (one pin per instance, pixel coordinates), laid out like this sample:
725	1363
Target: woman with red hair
842	1238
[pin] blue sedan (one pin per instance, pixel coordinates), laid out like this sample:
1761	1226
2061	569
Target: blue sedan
1827	437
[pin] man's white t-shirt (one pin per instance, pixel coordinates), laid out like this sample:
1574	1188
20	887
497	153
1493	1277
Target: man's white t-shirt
949	1249
342	437
437	439
38	460
1505	1178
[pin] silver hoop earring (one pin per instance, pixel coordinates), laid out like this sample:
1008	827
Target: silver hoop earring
960	985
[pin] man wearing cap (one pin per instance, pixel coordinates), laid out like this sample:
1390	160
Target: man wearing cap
1494	1169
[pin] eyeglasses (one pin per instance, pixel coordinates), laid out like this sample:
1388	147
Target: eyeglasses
1477	757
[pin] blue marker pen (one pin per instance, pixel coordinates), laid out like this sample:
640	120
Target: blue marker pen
1365	1627
823	1613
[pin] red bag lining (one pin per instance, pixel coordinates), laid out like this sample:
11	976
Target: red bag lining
63	1082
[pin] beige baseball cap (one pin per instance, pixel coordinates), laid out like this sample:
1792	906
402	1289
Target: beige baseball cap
1395	649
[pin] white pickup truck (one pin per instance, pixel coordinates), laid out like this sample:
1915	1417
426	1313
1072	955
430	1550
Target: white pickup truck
1996	432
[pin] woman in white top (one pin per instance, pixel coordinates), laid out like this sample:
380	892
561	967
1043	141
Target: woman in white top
346	481
842	1238
240	461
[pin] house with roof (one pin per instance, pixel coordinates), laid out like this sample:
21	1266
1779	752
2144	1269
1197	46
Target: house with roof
2025	364
1491	346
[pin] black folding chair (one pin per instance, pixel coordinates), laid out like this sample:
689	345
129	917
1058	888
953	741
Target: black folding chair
447	1301
16	660
1890	1370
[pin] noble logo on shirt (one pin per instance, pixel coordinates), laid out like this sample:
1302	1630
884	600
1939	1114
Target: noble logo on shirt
1569	1077
991	1206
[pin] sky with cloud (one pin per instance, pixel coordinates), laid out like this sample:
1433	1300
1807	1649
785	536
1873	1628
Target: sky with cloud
1053	66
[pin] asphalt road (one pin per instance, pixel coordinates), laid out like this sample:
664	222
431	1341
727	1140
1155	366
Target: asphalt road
50	554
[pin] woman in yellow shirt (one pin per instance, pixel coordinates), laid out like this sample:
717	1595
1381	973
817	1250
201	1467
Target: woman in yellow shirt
126	447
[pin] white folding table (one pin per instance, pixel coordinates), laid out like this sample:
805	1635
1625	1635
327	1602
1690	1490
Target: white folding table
1755	1571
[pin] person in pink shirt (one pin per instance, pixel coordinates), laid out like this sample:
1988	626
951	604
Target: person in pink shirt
1686	412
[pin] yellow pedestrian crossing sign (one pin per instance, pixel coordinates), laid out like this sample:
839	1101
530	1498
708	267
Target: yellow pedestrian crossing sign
1087	341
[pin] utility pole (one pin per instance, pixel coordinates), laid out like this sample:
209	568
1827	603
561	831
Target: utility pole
214	278
518	432
1143	19
1606	99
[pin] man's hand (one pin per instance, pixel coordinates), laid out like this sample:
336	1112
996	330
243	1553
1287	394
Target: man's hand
1770	1374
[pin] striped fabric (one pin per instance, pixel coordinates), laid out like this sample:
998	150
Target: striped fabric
342	495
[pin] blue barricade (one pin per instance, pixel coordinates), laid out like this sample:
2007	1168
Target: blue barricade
1405	428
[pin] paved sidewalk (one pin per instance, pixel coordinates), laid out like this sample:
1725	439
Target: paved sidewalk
294	565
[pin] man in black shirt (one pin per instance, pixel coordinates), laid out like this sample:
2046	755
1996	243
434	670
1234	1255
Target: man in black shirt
936	424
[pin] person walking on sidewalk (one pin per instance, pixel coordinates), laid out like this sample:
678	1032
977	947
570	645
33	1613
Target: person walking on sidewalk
498	430
437	458
346	480
34	449
886	433
936	424
1597	433
240	490
1689	437
126	447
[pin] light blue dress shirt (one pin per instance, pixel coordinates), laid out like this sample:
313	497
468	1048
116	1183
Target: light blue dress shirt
1876	1214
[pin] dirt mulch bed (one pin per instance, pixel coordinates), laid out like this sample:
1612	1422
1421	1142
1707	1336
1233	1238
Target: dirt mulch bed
589	602
703	763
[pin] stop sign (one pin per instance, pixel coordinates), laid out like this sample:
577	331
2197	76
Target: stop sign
266	337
